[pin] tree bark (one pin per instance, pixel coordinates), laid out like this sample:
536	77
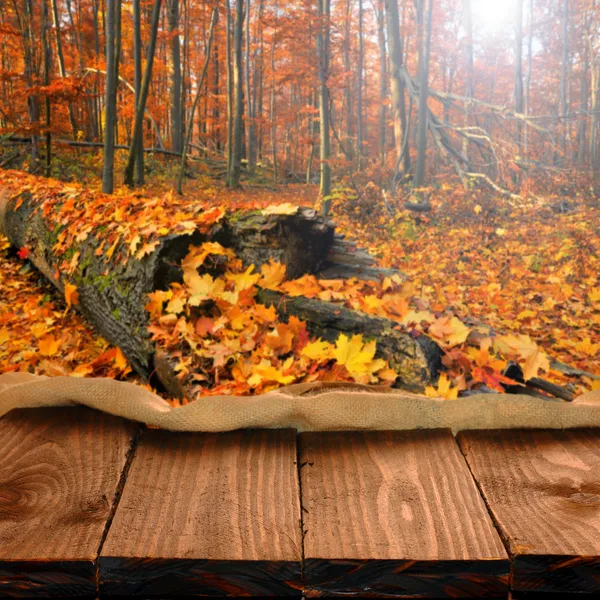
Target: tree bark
397	85
176	106
359	88
238	104
324	13
137	70
61	63
423	95
469	91
141	105
188	136
229	87
382	116
519	68
110	105
563	76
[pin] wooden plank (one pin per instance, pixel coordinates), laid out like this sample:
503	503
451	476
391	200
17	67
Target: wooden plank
207	514
395	513
59	474
543	489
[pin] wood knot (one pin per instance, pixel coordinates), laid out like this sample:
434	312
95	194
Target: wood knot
585	499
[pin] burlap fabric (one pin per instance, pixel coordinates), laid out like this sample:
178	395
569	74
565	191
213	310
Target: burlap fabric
306	407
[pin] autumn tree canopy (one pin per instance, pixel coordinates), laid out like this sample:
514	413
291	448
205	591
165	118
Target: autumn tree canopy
500	94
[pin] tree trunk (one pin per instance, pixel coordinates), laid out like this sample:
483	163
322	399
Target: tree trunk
47	62
250	141
238	104
519	68
110	103
397	85
213	22
324	12
137	70
382	117
359	88
141	105
229	88
176	112
113	292
61	64
563	77
423	95
469	90
528	76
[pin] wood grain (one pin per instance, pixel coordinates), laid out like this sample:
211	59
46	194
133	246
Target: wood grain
59	472
543	488
207	514
395	513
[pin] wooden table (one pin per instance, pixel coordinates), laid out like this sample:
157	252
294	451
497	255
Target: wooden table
93	506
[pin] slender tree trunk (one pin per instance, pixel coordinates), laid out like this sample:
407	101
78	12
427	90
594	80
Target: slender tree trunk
397	85
423	95
250	154
582	135
324	12
359	87
229	89
61	64
176	115
382	117
137	73
141	105
563	76
469	90
272	106
528	76
47	66
348	69
110	103
519	68
238	103
189	129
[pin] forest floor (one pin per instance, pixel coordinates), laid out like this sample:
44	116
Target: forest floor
527	270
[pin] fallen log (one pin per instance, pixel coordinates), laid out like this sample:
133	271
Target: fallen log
416	360
113	290
113	283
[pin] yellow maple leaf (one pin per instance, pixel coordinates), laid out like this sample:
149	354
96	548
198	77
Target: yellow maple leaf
594	295
273	273
176	304
197	255
120	360
49	345
71	294
449	331
242	281
147	248
586	347
156	301
444	389
357	357
525	314
280	209
528	354
4	336
477	209
265	373
318	350
203	287
500	231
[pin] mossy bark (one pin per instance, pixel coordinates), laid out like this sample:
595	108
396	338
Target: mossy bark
113	292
